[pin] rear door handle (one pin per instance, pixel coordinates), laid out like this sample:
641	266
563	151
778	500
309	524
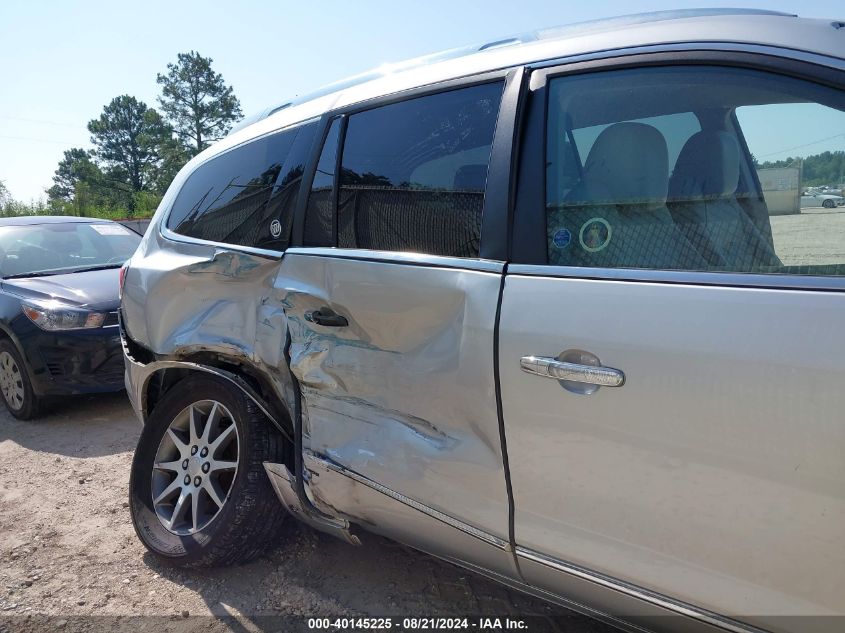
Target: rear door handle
573	372
326	317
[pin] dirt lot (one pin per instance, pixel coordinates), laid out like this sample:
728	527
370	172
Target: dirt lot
68	551
809	237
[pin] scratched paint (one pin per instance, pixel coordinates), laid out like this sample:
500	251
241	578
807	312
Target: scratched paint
190	301
404	394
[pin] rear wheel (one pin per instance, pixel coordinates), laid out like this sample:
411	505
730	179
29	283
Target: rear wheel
15	386
198	492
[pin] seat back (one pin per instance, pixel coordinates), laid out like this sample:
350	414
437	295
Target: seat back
617	216
703	203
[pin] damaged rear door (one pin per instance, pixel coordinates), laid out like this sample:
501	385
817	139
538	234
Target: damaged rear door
391	311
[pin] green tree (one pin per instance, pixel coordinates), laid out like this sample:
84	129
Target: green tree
174	155
75	167
827	168
196	101
5	196
9	207
129	139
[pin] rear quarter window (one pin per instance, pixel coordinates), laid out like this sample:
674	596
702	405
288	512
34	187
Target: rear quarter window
235	198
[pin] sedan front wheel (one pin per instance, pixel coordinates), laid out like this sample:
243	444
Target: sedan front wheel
15	386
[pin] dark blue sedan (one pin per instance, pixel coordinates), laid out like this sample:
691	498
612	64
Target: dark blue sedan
58	308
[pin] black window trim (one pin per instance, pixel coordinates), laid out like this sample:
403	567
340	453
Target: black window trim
321	135
338	168
173	236
495	215
528	228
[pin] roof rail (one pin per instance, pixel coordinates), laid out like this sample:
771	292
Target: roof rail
551	33
607	24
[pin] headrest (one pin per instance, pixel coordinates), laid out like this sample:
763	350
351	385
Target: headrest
628	164
708	166
470	178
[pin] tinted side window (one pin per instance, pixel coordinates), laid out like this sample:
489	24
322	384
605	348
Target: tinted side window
319	215
414	173
695	168
285	195
226	199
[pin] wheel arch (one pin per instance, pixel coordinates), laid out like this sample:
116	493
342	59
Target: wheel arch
166	375
6	334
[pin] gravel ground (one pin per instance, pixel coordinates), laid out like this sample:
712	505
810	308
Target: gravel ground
810	237
69	559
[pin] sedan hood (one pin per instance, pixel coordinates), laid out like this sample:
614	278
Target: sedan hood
95	289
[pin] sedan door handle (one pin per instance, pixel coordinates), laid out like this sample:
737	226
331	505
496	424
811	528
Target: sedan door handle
574	372
326	317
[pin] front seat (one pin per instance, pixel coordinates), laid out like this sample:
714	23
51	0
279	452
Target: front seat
702	200
616	217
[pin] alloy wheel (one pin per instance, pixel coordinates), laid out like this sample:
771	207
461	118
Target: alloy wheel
11	381
195	467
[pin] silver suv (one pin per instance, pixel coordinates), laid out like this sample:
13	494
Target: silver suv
528	308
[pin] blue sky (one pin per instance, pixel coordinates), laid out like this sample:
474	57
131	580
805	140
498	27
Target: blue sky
62	61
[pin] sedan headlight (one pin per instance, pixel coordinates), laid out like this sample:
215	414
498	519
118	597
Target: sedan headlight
53	316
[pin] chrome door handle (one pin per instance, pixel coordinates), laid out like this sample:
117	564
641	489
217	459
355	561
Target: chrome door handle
574	372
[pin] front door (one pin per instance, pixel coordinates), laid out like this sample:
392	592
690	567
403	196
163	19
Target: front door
672	349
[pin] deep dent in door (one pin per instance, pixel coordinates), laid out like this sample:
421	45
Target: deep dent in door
404	395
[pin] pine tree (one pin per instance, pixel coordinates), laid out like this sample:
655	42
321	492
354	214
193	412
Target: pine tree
197	102
130	141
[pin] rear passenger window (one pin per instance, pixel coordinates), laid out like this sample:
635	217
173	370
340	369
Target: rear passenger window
245	196
413	174
695	168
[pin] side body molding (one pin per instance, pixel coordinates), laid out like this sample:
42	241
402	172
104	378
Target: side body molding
284	484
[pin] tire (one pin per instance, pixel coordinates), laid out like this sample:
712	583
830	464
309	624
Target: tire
828	204
248	521
17	392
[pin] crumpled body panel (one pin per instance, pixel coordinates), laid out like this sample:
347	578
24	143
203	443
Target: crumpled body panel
188	301
404	395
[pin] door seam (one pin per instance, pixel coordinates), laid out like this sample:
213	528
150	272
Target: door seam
501	419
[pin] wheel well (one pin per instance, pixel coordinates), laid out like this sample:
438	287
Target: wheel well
5	336
162	381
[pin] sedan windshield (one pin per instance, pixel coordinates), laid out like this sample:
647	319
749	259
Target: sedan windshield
67	247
